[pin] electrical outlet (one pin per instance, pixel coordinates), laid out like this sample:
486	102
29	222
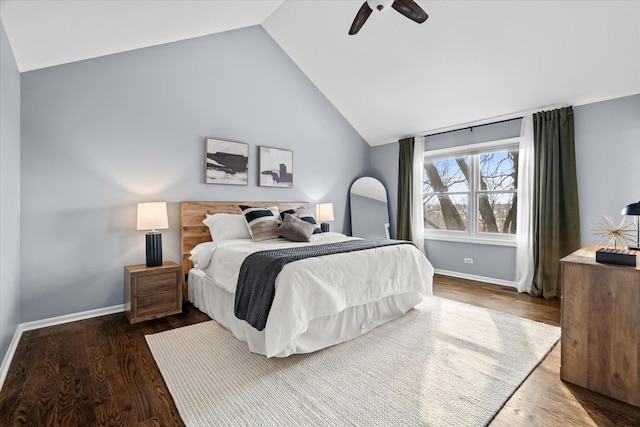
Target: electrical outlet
468	260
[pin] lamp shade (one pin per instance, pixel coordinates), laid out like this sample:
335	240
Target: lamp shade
632	209
152	216
324	212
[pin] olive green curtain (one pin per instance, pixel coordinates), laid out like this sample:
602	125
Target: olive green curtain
405	189
556	219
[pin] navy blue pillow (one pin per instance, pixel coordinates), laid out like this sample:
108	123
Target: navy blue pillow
304	215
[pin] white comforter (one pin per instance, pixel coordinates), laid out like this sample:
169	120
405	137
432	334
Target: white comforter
319	286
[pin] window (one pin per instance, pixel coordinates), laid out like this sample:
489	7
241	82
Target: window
470	192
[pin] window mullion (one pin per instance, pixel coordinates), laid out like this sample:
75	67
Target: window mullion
473	203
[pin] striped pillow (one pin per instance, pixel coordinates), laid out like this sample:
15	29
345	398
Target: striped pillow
262	222
304	215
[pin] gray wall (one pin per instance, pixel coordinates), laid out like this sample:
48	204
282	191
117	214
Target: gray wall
607	138
489	261
99	136
384	166
9	194
608	159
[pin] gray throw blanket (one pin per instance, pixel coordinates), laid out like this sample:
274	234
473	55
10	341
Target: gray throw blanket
257	279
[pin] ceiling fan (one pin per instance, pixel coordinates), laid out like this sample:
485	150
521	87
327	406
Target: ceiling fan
408	8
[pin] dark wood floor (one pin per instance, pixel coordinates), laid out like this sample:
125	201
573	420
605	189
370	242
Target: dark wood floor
99	372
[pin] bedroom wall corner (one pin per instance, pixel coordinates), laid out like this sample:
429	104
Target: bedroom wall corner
9	196
384	166
607	136
101	135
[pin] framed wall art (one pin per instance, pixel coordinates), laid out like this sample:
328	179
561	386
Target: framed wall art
276	167
226	162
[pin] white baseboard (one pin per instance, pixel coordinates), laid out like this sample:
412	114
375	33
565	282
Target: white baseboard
477	278
52	321
11	351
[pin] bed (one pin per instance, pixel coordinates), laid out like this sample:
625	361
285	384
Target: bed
318	302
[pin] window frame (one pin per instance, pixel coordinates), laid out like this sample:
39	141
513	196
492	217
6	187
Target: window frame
473	151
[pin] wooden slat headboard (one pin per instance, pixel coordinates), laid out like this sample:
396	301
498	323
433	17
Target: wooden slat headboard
193	231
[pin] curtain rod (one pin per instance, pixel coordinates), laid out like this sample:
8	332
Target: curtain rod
473	126
489	121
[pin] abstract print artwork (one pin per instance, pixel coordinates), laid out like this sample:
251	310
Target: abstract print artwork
276	167
226	162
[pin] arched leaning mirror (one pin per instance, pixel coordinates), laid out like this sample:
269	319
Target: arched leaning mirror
369	210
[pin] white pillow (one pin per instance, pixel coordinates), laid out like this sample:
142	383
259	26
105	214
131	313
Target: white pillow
201	255
224	226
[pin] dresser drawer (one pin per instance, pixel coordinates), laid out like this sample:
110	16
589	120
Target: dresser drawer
156	283
158	303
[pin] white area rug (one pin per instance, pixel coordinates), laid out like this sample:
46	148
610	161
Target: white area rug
442	364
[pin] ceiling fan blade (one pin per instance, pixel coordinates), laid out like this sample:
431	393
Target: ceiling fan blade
360	19
411	10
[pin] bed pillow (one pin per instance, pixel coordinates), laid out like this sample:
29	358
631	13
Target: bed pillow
262	222
295	229
223	226
304	215
200	255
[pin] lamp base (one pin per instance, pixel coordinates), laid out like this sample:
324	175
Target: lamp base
154	249
324	227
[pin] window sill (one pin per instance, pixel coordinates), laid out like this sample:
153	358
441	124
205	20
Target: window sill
474	240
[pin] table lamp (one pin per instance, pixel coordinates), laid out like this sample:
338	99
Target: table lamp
153	217
324	213
634	210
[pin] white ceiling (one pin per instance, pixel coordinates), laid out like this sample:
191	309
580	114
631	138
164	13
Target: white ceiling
472	61
43	33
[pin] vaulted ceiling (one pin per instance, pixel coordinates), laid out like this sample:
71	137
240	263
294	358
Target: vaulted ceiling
470	62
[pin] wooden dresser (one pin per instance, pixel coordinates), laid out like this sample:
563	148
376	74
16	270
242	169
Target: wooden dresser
152	292
600	345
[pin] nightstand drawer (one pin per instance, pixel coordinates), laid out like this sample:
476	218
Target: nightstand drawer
156	283
163	302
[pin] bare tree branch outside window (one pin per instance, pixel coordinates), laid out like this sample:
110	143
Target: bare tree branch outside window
488	180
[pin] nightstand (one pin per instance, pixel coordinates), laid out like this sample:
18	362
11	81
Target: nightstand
152	292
